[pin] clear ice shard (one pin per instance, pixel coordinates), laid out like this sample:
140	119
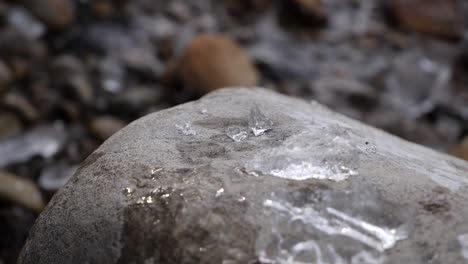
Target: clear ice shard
463	240
237	133
325	154
329	226
335	222
186	129
258	122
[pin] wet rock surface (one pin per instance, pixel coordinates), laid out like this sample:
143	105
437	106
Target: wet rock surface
316	187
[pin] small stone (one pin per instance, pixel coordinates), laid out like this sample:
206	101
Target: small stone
71	77
20	19
102	8
20	191
22	106
258	122
56	14
10	125
237	134
214	61
302	13
5	76
105	126
461	150
435	17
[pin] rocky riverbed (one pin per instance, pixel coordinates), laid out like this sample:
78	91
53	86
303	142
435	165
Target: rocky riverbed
72	73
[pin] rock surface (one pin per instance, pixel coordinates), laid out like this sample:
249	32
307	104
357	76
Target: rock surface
315	188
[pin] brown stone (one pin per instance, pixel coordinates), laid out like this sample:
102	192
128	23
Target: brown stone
214	61
435	17
461	150
56	14
20	191
105	126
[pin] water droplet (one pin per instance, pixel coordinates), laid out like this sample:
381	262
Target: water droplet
241	199
219	192
165	195
237	133
186	129
204	111
258	122
128	191
145	200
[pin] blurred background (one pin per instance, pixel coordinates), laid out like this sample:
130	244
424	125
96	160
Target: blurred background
73	72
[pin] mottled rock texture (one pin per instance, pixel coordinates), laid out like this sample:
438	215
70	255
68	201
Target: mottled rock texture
152	194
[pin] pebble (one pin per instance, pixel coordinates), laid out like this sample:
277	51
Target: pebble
10	125
22	21
436	17
20	191
21	104
105	126
461	150
302	13
214	61
5	76
56	14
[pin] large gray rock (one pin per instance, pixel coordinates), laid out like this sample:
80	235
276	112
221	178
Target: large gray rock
317	187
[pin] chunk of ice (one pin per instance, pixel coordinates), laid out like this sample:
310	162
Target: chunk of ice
186	129
305	170
258	122
335	222
237	133
325	154
329	226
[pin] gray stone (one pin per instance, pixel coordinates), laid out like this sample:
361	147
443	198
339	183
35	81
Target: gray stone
316	188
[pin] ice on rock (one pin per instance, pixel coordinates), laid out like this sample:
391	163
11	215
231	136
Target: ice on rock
186	129
463	240
258	122
324	154
330	227
237	133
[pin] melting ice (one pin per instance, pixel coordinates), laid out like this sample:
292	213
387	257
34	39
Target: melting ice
237	133
258	122
335	222
321	229
186	129
326	154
